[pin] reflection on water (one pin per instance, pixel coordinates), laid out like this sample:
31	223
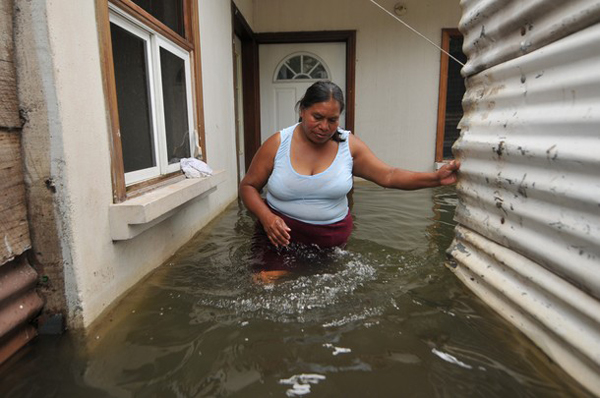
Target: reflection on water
383	317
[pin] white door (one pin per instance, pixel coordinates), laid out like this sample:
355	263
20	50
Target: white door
287	70
239	105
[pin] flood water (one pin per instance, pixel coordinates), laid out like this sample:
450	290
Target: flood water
382	318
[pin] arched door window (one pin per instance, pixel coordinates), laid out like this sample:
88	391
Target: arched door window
301	66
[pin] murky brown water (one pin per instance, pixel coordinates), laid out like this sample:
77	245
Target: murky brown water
382	318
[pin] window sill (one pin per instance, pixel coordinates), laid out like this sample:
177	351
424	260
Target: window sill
134	216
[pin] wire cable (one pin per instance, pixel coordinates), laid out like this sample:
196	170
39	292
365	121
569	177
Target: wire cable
417	32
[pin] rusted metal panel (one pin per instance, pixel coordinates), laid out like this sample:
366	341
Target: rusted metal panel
499	30
529	213
19	304
15	341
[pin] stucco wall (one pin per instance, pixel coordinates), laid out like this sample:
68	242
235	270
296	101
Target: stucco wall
246	7
397	72
67	140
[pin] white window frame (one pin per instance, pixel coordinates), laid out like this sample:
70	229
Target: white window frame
297	54
185	57
153	43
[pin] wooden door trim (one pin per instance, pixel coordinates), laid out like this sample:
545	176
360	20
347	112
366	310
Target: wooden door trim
250	84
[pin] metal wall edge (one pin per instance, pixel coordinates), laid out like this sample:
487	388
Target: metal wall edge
563	321
498	30
530	143
528	240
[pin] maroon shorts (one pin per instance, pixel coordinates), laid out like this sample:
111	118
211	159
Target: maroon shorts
324	236
303	237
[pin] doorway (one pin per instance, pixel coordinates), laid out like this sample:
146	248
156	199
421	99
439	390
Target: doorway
250	74
287	70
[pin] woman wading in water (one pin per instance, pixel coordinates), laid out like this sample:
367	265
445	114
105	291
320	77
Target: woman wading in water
308	170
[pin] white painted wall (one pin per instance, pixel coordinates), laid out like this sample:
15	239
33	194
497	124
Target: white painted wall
397	72
61	72
217	72
246	7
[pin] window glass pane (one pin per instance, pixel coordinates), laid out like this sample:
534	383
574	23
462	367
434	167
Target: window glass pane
294	64
176	107
169	12
308	63
285	73
319	73
129	54
302	67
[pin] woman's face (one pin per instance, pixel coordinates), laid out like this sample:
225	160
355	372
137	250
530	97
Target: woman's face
321	120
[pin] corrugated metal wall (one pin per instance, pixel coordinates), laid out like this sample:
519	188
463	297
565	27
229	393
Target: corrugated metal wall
19	302
528	240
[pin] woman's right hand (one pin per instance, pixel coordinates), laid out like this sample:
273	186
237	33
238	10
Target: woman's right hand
277	230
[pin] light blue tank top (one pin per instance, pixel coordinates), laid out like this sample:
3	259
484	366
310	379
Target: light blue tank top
318	199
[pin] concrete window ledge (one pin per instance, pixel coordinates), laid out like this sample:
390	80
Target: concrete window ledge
134	216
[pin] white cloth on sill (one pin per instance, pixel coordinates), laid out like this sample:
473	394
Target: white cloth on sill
194	168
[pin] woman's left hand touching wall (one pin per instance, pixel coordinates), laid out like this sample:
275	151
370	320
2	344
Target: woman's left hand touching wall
448	173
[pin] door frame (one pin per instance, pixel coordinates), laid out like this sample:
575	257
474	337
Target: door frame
250	83
250	72
238	104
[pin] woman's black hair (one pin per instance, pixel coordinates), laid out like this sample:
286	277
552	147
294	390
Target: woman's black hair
322	91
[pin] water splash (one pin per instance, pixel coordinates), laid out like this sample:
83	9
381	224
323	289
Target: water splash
301	384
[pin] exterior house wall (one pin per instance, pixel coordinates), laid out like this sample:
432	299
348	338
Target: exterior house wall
66	142
397	72
246	7
528	240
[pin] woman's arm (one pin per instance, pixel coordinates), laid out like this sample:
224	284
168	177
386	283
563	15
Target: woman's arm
251	186
370	167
